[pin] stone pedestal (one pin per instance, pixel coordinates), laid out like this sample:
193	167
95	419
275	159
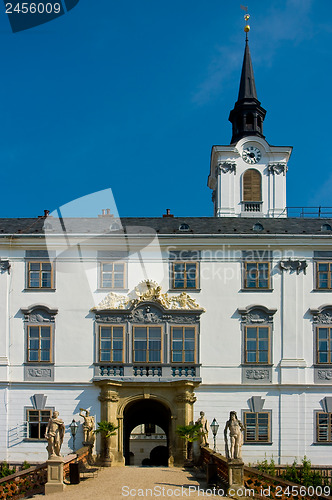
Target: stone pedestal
54	475
236	478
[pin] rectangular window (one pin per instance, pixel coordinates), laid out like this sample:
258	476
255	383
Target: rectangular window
40	274
147	344
324	345
183	344
184	275
324	427
257	344
257	427
39	344
111	343
37	421
112	275
256	275
323	275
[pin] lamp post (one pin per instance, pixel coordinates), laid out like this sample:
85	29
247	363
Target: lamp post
214	427
73	429
74	471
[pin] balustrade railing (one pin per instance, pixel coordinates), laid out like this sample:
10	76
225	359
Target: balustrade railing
262	486
32	481
251	206
147	370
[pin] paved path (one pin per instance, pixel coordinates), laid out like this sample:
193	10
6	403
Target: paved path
136	482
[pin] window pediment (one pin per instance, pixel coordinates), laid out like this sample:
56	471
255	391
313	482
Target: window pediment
256	314
39	314
322	315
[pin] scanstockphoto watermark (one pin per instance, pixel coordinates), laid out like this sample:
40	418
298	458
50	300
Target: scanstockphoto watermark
25	15
96	251
164	491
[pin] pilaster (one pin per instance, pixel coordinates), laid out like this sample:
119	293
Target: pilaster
292	364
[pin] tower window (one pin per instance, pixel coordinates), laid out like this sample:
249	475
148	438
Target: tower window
259	122
239	123
252	185
250	121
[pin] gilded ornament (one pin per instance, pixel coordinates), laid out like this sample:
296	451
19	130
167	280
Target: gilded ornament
148	291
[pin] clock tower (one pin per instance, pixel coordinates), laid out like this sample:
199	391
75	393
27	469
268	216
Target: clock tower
248	177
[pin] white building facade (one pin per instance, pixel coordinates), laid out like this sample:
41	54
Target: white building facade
151	320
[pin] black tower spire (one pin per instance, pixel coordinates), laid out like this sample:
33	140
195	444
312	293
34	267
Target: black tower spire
247	116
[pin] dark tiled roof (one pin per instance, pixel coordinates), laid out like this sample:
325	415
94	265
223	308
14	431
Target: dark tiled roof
168	225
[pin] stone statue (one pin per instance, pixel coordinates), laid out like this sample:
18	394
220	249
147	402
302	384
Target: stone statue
54	434
235	428
88	426
204	429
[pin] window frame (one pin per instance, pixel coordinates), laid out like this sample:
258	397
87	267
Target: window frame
329	274
39	326
329	428
101	273
184	263
245	273
30	261
257	363
269	431
112	326
183	343
245	184
27	411
134	326
329	341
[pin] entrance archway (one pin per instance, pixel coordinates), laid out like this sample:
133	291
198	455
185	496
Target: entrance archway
149	413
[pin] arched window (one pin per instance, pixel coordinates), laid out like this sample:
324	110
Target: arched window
250	121
252	185
259	123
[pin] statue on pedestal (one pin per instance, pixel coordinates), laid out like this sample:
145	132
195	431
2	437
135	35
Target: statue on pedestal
204	429
235	428
54	434
88	427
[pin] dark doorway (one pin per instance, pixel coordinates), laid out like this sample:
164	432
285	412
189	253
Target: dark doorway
159	456
150	413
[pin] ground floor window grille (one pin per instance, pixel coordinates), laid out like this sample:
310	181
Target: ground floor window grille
324	427
257	427
37	421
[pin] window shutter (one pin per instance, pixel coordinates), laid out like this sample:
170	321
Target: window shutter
251	185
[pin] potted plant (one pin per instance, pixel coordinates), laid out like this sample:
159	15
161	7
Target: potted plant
190	433
107	430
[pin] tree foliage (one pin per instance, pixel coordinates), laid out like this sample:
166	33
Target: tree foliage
189	432
105	428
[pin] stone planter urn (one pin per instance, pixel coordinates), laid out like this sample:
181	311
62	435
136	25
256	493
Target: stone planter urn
108	455
107	430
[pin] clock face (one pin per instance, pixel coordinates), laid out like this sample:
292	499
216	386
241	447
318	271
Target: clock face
251	154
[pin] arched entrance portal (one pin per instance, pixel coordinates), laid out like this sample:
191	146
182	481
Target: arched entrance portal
149	413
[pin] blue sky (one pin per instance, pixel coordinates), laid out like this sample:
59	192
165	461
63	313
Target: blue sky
132	95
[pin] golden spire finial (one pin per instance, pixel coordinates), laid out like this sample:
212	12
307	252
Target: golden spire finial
246	18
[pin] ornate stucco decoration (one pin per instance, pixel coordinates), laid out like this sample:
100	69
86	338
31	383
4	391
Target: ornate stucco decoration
294	265
324	374
227	166
322	315
39	372
39	314
256	314
186	397
257	374
148	291
277	168
5	266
